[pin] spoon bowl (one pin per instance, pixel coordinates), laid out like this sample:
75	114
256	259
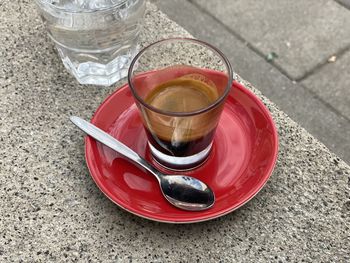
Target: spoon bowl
184	192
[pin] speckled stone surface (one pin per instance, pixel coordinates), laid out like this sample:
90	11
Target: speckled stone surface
51	210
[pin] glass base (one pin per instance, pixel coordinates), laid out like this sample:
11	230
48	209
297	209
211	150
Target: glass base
180	163
95	72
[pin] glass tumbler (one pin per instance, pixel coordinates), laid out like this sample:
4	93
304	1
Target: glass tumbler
179	86
96	39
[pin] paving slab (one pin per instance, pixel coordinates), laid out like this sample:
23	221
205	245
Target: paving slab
332	84
300	104
302	33
345	3
52	211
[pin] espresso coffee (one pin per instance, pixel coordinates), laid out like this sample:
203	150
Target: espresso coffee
185	94
175	134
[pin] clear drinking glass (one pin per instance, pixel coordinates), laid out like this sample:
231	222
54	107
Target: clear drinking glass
96	39
180	86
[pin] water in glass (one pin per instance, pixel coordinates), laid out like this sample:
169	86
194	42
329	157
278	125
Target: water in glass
96	39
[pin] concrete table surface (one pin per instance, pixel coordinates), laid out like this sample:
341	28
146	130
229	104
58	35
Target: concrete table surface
51	210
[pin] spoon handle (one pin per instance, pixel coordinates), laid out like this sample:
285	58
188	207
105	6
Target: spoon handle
113	143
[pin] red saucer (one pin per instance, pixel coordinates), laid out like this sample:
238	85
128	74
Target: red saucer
242	159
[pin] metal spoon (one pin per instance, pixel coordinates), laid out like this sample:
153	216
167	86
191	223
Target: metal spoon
184	192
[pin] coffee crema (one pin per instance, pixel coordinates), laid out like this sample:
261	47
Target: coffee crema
182	135
185	94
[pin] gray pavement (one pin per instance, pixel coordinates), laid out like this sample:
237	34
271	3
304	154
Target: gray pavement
345	3
332	84
309	79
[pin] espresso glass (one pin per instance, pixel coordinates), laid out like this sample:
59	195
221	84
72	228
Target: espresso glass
174	74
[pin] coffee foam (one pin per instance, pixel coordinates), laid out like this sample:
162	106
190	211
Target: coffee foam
188	93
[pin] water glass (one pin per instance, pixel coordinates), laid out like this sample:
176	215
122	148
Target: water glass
96	39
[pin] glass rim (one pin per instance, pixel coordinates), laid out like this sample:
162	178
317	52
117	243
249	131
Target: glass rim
66	10
190	113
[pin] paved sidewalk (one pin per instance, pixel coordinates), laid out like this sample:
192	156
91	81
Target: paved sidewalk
297	53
